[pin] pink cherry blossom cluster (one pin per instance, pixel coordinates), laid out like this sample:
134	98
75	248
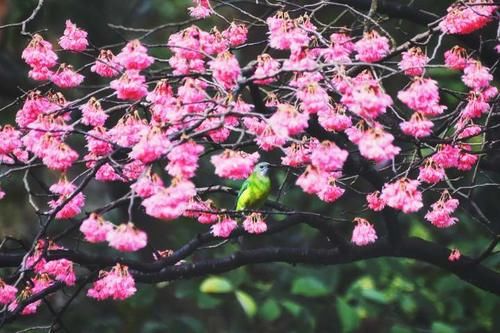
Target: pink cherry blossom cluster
116	284
372	47
403	194
254	223
234	164
201	9
224	227
441	210
364	233
468	16
413	61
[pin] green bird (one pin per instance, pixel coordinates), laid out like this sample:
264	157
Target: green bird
254	191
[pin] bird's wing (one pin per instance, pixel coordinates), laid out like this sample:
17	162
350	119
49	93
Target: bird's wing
244	186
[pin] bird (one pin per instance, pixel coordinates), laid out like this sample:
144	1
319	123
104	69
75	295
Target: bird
255	190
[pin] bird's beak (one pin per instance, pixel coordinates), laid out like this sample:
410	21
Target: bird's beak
273	165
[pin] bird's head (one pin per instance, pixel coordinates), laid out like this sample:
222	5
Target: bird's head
262	168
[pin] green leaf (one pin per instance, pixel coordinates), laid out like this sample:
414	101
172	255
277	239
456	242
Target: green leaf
348	317
439	327
408	304
207	302
247	303
216	285
309	287
375	296
270	310
292	307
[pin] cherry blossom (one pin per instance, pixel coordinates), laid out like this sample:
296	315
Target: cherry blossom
372	47
364	233
234	164
413	61
224	227
117	284
441	210
95	228
254	224
74	38
127	238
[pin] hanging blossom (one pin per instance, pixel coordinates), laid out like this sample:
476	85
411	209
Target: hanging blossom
266	70
403	194
455	156
254	223
74	38
152	146
56	155
10	141
476	106
95	228
418	126
465	128
39	54
422	96
34	286
431	172
322	183
374	143
92	113
66	77
127	238
129	130
147	185
61	269
476	76
98	143
236	34
117	284
64	189
299	154
234	164
7	293
106	65
454	255
334	118
289	120
224	227
288	34
171	202
464	18
341	47
328	156
162	94
183	160
204	211
130	86
413	61
313	97
456	58
372	47
441	210
364	233
367	100
189	49
201	9
225	69
374	201
134	56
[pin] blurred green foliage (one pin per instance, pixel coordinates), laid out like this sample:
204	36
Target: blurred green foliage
383	295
